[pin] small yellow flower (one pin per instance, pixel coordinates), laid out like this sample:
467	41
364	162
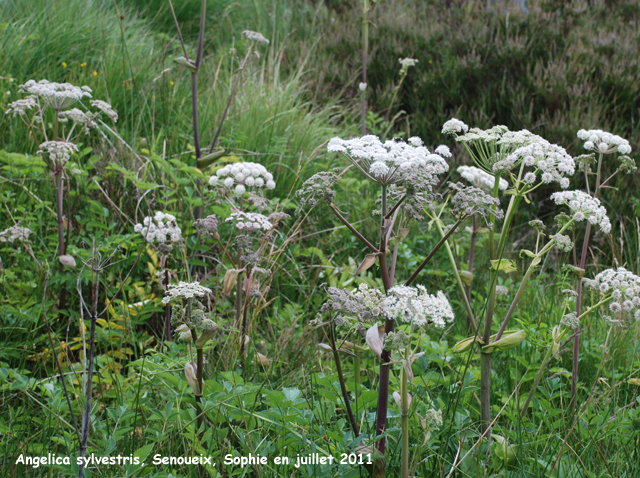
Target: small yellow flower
64	65
430	61
83	64
95	73
171	83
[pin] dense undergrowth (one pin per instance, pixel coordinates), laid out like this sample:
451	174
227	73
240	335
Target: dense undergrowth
553	68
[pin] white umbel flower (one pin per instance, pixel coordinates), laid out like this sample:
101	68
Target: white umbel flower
415	305
389	162
480	179
584	207
185	290
20	107
247	174
603	142
106	109
255	36
58	96
623	287
58	151
551	161
15	233
454	126
159	229
250	221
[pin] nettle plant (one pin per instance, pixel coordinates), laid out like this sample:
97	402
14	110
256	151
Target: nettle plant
407	174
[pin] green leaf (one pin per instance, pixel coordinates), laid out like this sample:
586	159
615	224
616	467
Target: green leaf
143	452
505	265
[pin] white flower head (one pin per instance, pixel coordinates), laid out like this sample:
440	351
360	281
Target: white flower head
106	109
15	233
255	36
454	126
184	290
390	162
603	142
415	305
20	107
551	161
58	96
406	63
58	151
250	221
247	175
160	229
583	207
623	287
480	179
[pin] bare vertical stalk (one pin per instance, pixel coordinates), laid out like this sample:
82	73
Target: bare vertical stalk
472	250
343	385
583	261
86	413
365	60
404	414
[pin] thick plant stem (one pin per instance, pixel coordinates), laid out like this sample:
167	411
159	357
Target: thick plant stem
385	357
86	413
62	247
365	59
472	250
199	376
576	338
485	358
404	413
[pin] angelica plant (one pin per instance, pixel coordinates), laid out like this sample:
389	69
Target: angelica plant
195	327
407	175
600	144
416	307
57	143
162	232
527	161
241	187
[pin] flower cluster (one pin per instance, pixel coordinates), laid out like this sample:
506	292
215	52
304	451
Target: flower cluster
160	228
454	126
549	160
59	151
184	290
243	175
255	36
207	226
250	221
318	188
77	116
406	63
356	308
603	142
624	288
480	179
389	162
415	305
106	109
20	107
58	96
14	233
583	207
469	200
564	243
